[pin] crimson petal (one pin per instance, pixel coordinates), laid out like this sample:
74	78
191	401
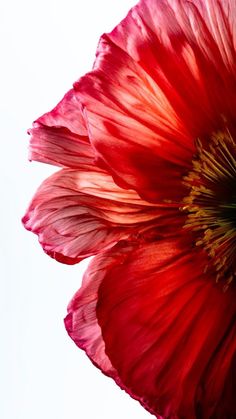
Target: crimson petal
162	77
78	213
166	330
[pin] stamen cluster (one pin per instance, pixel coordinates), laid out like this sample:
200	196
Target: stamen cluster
211	203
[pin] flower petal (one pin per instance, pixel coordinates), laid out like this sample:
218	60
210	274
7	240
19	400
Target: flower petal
68	114
81	321
60	137
78	213
59	146
133	128
165	328
162	77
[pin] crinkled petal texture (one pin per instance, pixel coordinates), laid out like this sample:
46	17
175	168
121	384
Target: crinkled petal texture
149	318
162	77
79	213
60	137
148	314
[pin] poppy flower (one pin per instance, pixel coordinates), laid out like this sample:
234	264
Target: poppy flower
146	143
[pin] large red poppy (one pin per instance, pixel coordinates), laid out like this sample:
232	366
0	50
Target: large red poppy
147	146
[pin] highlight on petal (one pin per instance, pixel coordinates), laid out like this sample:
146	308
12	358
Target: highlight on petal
162	77
78	213
135	132
147	316
147	145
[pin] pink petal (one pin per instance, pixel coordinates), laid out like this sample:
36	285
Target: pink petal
60	137
78	213
165	327
81	321
68	114
59	146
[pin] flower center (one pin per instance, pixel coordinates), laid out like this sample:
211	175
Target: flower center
211	203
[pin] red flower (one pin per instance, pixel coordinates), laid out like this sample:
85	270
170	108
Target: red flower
147	142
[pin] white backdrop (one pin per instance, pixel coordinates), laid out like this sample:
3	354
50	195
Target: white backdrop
45	46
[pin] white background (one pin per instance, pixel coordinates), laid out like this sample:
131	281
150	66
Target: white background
45	46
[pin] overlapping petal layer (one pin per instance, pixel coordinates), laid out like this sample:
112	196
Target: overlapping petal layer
132	126
60	137
68	114
58	146
149	313
163	77
78	213
150	318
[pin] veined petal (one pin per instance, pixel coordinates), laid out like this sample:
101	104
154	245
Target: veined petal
68	114
81	321
165	328
60	137
129	116
219	379
150	313
78	213
188	48
59	146
164	76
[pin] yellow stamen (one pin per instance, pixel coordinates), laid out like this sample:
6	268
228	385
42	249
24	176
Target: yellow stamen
211	203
